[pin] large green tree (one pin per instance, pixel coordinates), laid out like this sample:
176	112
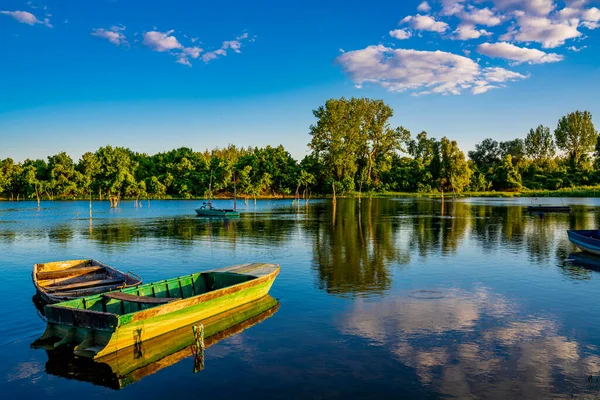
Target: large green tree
353	139
575	135
539	144
455	173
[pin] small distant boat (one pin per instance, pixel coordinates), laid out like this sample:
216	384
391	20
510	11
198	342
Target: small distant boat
542	209
102	324
208	210
122	368
65	280
586	240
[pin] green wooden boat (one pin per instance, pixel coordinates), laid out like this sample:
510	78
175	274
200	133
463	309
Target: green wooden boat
102	324
127	366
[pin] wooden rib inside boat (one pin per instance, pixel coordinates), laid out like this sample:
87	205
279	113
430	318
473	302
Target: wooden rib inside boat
65	280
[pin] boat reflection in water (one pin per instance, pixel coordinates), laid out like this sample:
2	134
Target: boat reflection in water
129	365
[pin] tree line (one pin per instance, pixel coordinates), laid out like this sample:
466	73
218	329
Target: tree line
353	147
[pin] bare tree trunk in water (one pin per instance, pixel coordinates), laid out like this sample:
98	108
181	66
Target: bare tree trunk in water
334	198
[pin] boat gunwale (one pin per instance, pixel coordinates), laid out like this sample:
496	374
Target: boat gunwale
576	232
183	303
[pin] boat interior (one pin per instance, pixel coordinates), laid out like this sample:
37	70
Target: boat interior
79	278
150	295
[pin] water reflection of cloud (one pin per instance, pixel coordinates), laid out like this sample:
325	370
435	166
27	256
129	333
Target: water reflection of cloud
476	344
27	370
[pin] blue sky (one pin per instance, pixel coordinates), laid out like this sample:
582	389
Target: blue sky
153	76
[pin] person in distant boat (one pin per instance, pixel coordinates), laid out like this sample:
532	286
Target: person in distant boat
204	205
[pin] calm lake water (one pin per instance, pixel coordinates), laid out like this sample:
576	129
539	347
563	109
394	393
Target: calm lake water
392	298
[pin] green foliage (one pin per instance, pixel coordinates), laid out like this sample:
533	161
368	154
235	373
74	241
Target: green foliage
486	155
575	135
455	173
508	177
354	141
353	148
539	144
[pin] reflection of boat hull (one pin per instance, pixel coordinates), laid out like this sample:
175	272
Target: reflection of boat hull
216	212
127	366
585	260
586	240
542	209
65	280
102	324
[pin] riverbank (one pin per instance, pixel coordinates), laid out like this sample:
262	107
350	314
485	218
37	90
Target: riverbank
582	191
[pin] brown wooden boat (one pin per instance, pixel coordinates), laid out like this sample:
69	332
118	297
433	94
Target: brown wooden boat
65	280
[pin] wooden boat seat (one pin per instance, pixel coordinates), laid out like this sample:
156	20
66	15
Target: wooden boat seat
139	299
81	285
67	272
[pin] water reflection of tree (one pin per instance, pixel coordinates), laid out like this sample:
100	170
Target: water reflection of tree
439	227
184	231
355	244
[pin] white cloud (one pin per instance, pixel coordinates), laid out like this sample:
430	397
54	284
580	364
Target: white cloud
166	42
425	23
424	7
495	77
479	16
576	49
591	18
28	18
187	53
193	52
540	7
161	41
467	32
452	7
112	34
423	72
517	54
211	55
401	34
233	45
542	30
568	13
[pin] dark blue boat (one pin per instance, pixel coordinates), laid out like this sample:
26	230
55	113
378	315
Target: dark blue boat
586	240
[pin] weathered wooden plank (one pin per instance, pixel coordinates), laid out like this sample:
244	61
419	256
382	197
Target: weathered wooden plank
81	285
67	272
138	299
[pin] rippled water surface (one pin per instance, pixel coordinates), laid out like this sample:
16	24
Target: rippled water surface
388	298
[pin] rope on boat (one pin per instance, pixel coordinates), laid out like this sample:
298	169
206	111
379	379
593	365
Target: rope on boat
198	347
